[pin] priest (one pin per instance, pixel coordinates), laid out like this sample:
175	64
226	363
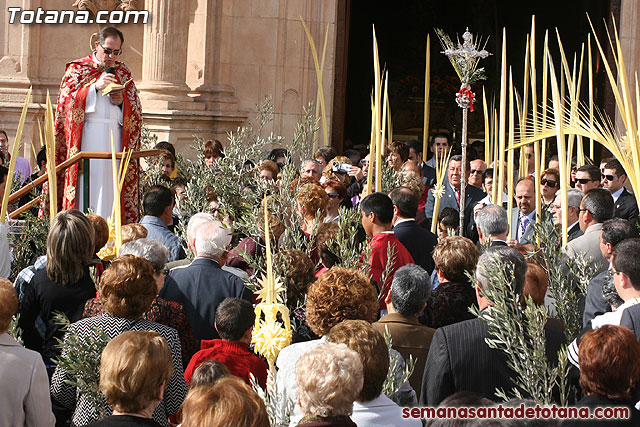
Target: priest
85	120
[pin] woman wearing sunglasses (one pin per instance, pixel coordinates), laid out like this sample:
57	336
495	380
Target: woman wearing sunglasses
549	186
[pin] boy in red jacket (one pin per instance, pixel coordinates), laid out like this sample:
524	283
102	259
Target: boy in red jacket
234	322
377	217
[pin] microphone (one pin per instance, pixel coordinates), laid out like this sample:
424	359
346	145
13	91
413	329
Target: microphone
111	70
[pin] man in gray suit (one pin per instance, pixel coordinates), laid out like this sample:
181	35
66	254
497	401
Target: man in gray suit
596	207
493	225
524	216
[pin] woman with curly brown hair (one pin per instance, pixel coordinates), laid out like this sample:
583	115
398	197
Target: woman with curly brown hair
339	294
312	202
449	303
127	289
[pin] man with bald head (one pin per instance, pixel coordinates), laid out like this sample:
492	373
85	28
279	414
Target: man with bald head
524	215
478	167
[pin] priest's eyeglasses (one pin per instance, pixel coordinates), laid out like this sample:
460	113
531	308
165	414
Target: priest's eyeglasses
113	52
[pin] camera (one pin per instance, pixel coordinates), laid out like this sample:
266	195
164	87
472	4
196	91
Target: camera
340	167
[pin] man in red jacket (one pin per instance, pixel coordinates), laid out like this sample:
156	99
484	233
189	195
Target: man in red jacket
234	322
377	217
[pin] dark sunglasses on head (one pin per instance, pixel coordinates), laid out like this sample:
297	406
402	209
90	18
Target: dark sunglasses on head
585	180
108	51
551	183
608	177
333	195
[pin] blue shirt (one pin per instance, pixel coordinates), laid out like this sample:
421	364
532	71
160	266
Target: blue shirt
157	230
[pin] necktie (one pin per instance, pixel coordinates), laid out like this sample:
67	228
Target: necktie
524	222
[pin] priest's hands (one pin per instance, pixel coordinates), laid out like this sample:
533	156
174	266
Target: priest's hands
104	80
116	97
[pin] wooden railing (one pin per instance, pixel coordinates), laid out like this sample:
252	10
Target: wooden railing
82	155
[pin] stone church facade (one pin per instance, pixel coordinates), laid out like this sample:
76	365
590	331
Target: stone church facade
201	66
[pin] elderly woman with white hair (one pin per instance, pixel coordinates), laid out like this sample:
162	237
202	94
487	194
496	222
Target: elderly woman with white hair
168	313
330	377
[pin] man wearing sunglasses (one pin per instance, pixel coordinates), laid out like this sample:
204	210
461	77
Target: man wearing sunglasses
86	119
613	179
587	177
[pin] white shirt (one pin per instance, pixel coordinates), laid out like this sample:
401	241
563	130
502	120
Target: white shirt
613	317
617	194
401	220
380	412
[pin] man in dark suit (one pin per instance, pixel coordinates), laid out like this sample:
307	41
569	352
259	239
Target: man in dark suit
613	179
459	358
451	196
493	225
409	292
418	241
631	319
613	232
202	285
626	279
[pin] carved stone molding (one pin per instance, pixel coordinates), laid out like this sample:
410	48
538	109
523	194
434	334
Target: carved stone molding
93	6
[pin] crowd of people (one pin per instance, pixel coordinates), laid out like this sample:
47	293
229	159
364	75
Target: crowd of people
178	331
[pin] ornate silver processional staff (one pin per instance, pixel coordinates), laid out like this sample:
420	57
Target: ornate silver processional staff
464	58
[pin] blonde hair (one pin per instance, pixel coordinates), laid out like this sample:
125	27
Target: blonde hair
229	402
69	247
8	304
134	231
133	367
411	180
329	380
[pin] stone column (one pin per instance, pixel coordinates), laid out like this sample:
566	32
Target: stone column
164	57
630	41
216	96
